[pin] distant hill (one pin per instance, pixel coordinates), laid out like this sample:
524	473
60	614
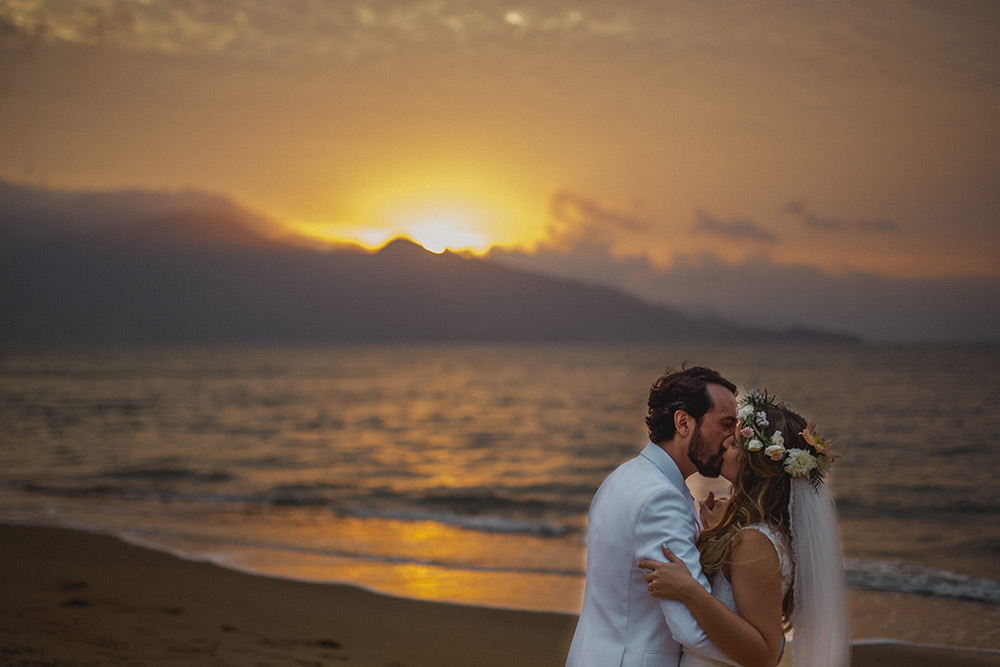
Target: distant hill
138	267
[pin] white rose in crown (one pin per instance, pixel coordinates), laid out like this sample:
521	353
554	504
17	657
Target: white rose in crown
745	412
799	462
778	439
754	445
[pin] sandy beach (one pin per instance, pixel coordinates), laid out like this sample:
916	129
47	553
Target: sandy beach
74	598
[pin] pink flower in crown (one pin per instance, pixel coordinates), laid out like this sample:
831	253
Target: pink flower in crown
747	432
776	452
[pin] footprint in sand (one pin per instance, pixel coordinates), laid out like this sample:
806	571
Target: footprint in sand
75	602
70	586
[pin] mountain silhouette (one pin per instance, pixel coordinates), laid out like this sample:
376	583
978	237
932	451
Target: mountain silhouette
138	267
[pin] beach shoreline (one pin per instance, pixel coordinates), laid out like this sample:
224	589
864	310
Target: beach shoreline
70	597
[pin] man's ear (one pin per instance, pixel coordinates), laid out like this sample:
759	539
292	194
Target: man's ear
683	423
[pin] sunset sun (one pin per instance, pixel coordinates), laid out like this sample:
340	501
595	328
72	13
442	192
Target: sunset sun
442	232
457	207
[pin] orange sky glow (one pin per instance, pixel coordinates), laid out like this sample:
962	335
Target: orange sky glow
845	138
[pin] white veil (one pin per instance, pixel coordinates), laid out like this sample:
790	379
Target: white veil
819	617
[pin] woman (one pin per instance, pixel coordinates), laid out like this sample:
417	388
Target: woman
772	552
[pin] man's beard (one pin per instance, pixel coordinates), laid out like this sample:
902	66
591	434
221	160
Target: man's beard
707	462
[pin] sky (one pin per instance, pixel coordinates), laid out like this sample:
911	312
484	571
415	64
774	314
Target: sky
827	164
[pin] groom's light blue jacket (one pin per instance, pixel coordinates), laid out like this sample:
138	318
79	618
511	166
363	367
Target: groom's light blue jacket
641	505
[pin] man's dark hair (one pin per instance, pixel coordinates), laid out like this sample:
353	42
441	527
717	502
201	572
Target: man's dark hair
686	390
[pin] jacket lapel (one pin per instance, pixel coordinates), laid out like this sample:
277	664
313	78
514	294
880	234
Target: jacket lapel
662	460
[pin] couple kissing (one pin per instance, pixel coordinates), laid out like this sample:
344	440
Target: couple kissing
669	583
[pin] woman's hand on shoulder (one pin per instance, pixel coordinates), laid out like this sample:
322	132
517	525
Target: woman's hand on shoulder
711	508
671	580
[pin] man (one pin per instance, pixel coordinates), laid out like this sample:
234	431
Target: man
645	503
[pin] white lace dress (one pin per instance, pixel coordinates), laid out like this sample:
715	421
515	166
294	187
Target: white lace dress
722	590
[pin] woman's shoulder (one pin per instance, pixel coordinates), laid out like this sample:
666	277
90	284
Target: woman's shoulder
778	538
762	535
773	532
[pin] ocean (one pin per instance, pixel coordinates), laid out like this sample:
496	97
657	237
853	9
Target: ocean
464	473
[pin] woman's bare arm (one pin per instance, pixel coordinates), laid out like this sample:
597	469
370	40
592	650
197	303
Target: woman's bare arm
754	637
755	576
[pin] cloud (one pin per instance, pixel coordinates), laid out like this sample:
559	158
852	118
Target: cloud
880	225
580	223
294	32
578	211
811	220
814	221
732	229
580	244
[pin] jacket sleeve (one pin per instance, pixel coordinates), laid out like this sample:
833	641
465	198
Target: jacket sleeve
667	517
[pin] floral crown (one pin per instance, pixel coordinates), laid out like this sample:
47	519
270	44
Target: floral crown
812	463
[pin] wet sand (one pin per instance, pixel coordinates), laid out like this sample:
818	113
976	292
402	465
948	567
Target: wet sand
74	598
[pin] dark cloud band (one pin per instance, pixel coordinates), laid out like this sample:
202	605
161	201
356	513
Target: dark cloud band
736	230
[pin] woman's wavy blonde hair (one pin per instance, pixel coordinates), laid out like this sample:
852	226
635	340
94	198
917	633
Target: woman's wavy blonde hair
759	493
